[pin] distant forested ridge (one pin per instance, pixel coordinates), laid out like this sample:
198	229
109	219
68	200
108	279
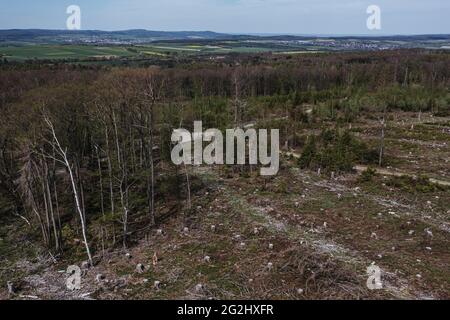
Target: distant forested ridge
43	36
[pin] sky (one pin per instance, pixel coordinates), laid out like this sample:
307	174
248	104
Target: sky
234	16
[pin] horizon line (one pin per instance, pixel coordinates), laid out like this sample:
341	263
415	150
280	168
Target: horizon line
259	34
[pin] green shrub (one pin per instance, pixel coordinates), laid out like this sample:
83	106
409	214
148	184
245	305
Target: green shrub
367	175
309	153
282	187
334	151
421	184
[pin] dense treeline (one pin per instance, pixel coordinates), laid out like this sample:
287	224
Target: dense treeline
84	149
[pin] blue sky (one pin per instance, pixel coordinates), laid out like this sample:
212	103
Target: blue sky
234	16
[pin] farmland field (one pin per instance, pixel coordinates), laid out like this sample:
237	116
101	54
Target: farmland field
80	52
61	52
129	51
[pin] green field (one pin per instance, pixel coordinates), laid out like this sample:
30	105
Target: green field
82	52
62	52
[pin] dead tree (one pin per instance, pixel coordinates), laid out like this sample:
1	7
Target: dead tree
48	195
110	179
124	185
151	97
238	104
26	184
102	200
382	142
188	184
123	189
62	153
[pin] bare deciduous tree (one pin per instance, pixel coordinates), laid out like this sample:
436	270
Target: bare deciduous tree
62	153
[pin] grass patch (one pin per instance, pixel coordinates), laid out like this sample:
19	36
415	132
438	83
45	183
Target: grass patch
421	184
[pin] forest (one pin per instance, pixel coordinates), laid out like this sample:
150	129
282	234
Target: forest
85	168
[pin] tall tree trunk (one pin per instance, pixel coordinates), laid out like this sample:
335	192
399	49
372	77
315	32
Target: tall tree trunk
50	205
65	161
188	183
110	178
152	171
382	142
102	204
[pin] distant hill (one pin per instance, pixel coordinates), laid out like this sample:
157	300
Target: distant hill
97	36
